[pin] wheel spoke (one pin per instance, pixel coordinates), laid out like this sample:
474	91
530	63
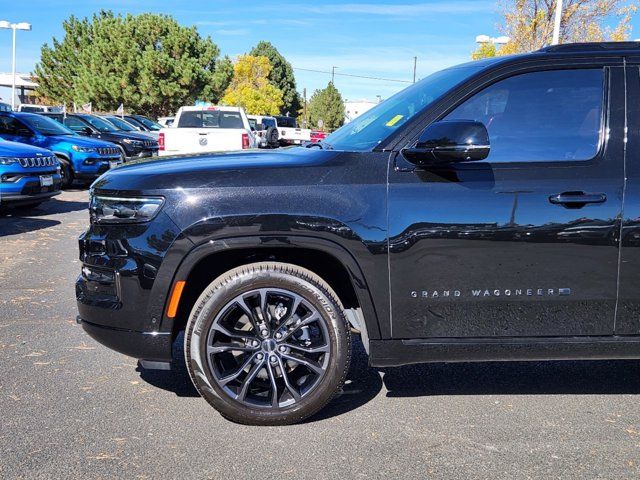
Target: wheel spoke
312	318
230	334
285	377
274	387
227	347
250	314
224	380
247	381
310	364
320	349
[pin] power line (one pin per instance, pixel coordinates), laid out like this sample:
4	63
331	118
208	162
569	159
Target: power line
334	73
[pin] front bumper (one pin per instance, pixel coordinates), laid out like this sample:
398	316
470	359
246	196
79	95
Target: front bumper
124	283
28	189
155	346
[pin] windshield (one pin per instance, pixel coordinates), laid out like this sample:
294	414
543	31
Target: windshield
210	119
150	124
287	122
372	127
100	124
44	125
120	124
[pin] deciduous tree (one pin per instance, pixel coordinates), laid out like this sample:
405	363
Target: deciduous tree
250	87
281	77
529	24
148	62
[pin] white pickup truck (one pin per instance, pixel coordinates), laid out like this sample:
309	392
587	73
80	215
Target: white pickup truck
290	133
206	129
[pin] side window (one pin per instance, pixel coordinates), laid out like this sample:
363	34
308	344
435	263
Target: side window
74	124
553	115
11	126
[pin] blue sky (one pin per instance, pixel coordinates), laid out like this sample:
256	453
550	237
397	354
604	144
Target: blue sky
369	38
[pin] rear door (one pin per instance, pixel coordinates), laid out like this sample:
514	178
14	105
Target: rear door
524	244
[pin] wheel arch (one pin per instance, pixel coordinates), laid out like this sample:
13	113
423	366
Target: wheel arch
332	262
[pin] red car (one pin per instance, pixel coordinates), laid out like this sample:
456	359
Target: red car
318	136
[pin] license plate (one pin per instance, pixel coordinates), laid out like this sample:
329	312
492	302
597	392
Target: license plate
113	164
46	180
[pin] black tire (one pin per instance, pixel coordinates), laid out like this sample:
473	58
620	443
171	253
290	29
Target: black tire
66	172
272	136
220	297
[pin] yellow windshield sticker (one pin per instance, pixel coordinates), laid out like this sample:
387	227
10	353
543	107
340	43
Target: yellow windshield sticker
394	120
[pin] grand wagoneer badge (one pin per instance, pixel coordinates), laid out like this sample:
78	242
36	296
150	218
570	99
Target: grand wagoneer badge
483	293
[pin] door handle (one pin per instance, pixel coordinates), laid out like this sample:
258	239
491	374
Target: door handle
577	199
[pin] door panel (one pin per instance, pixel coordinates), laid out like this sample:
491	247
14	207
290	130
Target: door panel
480	250
628	312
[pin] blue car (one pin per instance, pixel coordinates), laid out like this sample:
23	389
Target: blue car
28	175
81	158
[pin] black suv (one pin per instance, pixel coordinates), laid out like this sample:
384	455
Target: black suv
132	144
489	212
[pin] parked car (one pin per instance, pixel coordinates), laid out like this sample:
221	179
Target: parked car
166	121
432	224
144	126
290	132
265	129
207	129
29	108
132	144
5	107
318	136
81	158
28	175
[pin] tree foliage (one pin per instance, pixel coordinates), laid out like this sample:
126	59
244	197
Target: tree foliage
250	87
281	77
148	62
326	105
484	50
529	24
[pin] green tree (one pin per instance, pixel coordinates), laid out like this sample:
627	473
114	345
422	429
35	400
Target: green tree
281	77
250	87
148	62
484	50
326	108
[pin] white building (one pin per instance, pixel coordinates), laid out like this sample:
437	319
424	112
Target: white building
355	108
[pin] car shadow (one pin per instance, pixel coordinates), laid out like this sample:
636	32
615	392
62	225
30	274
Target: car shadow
612	377
17	220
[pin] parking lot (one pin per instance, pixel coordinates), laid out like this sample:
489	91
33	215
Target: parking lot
71	407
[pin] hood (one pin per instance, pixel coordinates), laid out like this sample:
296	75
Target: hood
20	150
81	141
206	171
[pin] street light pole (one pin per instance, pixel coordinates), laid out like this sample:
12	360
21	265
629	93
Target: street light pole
558	21
15	27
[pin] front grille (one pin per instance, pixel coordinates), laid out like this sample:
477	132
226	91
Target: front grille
108	150
150	143
33	162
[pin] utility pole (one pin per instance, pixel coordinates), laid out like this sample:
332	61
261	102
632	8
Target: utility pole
558	21
304	113
415	64
333	74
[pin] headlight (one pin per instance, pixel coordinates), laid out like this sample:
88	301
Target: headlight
83	149
8	160
105	209
132	142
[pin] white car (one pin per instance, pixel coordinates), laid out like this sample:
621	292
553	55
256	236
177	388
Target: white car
207	129
290	132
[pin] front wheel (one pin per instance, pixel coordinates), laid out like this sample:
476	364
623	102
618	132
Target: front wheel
268	344
66	174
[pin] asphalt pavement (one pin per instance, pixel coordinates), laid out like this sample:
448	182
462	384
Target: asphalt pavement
70	408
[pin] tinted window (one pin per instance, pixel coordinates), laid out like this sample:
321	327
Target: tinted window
100	124
26	108
289	122
75	124
372	127
44	125
11	126
150	124
121	124
210	119
541	116
268	122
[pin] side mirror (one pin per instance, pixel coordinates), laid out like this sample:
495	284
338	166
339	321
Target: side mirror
86	131
451	141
